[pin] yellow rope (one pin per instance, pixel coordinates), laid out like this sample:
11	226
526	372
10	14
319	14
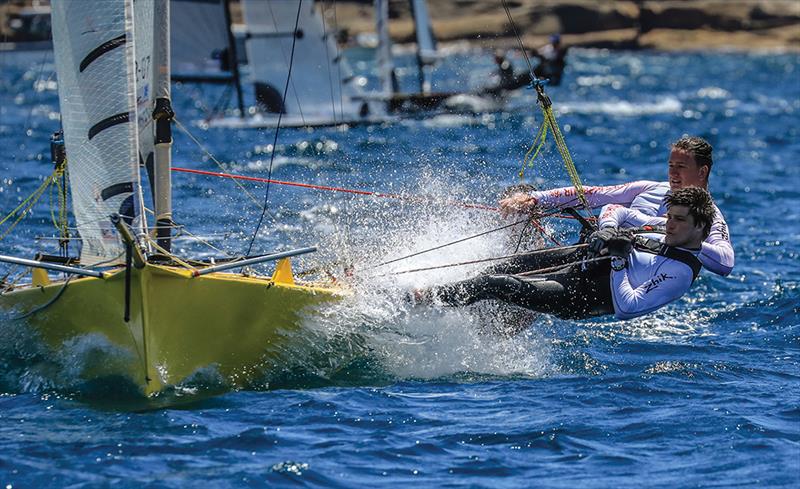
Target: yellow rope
167	253
25	206
527	161
562	148
52	182
538	142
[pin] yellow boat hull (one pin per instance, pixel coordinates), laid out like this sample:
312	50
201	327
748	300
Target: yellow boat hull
178	324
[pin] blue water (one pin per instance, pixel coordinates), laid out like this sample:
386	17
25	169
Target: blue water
704	393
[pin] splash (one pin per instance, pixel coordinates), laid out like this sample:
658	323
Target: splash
378	242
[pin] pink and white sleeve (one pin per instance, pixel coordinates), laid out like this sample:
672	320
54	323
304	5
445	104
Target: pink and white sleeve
596	196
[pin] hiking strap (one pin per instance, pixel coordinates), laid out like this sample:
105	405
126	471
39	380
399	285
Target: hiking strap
656	247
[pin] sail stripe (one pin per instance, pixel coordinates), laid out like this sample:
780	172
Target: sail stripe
109	122
116	189
101	50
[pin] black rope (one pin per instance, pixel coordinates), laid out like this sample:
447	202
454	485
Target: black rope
447	244
277	130
519	41
494	258
43	306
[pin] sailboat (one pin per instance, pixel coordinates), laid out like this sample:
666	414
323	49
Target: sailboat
164	318
323	89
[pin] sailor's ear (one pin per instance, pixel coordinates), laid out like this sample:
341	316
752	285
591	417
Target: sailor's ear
704	171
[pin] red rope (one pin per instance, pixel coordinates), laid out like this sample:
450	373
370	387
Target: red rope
409	198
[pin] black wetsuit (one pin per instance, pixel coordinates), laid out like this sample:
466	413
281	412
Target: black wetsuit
569	293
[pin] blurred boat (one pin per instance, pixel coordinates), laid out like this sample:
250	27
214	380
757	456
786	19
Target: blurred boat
323	89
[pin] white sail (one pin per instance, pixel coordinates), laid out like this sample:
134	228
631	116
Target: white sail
321	84
96	69
199	40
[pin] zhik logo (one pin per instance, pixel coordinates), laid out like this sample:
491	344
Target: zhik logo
655	281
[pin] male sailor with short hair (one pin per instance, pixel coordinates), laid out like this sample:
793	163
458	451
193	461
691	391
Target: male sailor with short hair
690	163
645	273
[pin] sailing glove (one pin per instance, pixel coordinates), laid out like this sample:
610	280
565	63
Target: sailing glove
611	241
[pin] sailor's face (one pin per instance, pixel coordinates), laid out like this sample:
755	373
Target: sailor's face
682	229
684	171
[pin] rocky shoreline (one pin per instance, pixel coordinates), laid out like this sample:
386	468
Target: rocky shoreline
661	25
624	24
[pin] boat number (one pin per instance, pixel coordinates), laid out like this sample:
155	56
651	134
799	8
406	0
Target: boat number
143	67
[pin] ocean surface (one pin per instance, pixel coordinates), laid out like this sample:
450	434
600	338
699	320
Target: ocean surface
703	393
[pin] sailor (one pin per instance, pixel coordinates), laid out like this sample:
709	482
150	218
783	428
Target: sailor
507	80
690	163
620	272
505	71
552	60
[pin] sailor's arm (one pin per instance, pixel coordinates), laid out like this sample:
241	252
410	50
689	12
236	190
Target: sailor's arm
716	253
668	283
559	198
619	216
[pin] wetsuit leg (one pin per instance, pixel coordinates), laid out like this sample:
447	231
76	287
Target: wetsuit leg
570	294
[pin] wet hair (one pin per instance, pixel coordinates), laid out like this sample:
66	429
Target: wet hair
699	202
697	147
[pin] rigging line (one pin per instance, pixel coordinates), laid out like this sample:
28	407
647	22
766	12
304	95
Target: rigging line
203	241
277	130
328	59
410	198
519	41
484	260
46	304
565	265
218	163
222	102
169	254
446	244
288	62
547	110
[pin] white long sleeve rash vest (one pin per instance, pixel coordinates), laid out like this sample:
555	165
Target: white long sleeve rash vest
647	198
648	282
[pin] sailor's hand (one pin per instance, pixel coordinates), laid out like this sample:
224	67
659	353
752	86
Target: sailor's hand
598	239
519	203
621	243
611	241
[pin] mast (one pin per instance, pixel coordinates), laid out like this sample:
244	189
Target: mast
383	55
233	59
162	115
426	45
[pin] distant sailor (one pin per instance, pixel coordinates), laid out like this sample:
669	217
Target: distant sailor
690	163
552	60
507	80
619	273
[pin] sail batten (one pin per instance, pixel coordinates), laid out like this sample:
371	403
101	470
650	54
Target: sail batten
100	94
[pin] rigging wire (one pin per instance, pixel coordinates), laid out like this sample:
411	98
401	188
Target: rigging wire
494	258
549	122
217	162
289	61
277	130
328	59
483	233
